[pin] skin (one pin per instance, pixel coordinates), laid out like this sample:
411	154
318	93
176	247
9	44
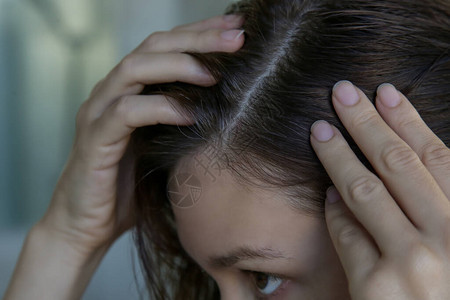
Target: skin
229	215
398	249
392	232
385	253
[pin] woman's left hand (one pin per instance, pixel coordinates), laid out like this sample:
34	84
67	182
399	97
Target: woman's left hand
391	231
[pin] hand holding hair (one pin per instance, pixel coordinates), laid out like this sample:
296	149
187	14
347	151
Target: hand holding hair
391	231
91	205
390	228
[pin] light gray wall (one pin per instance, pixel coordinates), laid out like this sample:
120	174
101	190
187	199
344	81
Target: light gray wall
143	17
5	130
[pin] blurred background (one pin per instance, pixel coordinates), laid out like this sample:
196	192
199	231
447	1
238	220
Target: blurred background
52	52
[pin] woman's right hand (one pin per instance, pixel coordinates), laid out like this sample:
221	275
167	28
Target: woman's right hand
91	205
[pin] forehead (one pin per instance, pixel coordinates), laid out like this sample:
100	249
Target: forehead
214	213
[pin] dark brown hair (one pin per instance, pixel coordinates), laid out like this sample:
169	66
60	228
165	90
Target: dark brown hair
258	116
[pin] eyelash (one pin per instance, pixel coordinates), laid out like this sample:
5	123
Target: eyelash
277	292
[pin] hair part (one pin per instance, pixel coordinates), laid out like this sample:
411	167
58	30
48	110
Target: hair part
269	93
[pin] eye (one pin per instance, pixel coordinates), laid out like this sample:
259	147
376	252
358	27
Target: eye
266	283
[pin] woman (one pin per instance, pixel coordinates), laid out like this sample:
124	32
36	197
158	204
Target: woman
229	203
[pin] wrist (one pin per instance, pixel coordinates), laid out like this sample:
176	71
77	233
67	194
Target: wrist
79	244
50	267
79	254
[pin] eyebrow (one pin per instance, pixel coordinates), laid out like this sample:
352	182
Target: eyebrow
244	253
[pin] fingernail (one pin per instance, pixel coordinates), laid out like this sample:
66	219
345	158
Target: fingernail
322	131
388	95
333	195
232	35
346	93
232	18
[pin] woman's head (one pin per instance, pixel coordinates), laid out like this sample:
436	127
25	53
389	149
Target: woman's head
245	174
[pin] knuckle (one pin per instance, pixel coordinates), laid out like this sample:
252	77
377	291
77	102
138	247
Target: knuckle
422	259
436	155
399	158
127	65
334	216
364	189
183	60
378	282
205	39
154	39
366	118
122	108
186	63
406	123
347	235
418	251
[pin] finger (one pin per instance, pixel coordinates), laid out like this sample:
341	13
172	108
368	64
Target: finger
137	70
401	170
401	116
213	40
123	117
354	246
363	193
218	22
